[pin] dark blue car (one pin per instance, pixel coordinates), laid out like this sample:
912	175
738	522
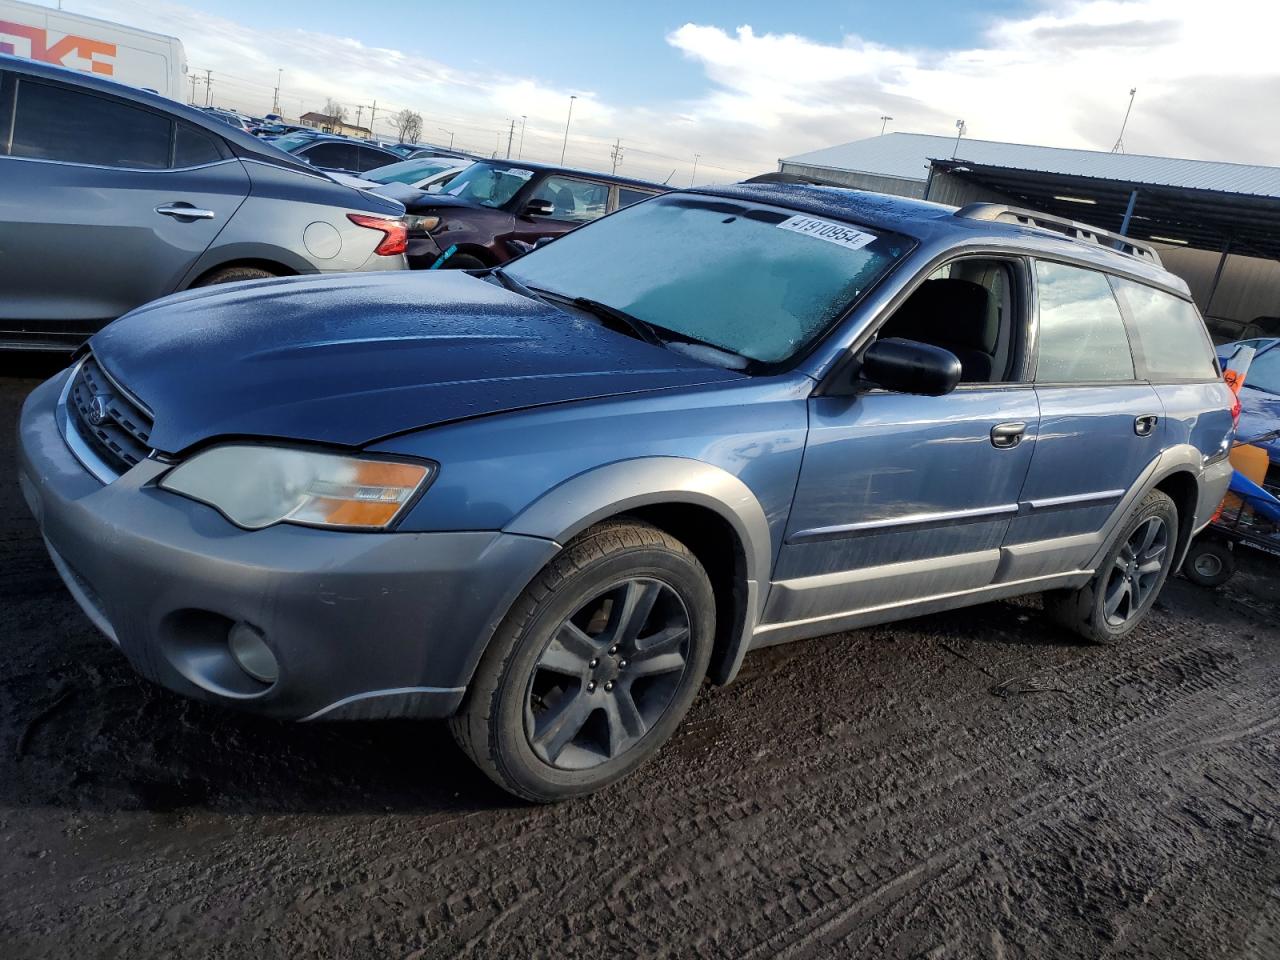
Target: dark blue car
548	501
1260	397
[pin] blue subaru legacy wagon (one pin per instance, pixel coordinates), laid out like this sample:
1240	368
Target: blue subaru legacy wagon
547	501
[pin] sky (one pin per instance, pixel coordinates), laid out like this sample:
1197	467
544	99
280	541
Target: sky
739	85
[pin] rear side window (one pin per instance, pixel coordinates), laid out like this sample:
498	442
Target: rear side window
192	147
372	159
626	196
1169	333
56	123
1082	337
338	156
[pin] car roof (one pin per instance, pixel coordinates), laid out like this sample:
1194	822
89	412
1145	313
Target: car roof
243	142
575	171
938	224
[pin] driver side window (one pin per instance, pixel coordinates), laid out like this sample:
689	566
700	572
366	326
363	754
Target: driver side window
574	200
971	308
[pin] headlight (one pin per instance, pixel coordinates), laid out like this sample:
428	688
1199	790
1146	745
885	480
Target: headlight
421	224
257	486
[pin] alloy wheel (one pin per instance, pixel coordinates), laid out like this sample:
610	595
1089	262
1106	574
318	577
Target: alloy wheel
608	674
1136	571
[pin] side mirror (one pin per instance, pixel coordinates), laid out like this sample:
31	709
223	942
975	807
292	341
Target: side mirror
909	366
539	208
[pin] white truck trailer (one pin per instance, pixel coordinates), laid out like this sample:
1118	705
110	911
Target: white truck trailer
139	58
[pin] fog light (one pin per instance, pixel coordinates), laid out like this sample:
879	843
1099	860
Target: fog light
251	653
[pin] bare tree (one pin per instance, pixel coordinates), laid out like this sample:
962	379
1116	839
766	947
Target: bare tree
335	111
409	125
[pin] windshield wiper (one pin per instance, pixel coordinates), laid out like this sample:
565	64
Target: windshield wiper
512	284
640	328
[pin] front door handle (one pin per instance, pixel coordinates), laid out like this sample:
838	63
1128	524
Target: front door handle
1145	425
1006	435
184	211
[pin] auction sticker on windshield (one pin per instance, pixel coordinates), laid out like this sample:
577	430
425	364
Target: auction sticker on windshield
828	231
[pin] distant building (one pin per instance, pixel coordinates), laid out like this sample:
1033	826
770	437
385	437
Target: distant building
333	125
1217	225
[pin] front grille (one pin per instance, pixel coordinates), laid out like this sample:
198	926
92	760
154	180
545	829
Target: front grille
115	427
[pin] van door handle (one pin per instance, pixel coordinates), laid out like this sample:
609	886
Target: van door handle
1145	425
1006	435
184	211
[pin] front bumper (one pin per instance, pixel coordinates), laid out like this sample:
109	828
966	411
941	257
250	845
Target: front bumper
362	625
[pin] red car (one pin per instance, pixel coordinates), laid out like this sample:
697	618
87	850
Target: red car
495	209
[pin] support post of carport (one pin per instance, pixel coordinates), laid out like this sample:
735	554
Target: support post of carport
1217	275
1128	213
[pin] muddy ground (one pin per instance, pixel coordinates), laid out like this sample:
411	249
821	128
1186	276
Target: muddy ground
963	785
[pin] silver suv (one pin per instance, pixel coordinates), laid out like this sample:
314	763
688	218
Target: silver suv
111	197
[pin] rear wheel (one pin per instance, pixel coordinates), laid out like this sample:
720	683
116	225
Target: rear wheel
1209	563
233	274
594	667
1127	583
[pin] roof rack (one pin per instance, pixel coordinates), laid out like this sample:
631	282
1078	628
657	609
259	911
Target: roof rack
1061	225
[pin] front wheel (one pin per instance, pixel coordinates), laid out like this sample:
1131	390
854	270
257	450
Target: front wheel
1127	583
594	666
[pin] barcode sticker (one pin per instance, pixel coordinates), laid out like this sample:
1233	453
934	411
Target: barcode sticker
827	230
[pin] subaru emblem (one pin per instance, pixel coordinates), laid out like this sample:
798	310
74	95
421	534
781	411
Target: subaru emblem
99	409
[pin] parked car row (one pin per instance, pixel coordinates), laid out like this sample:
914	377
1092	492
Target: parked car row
111	196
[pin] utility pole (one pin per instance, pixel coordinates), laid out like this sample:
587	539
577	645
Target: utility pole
194	79
373	112
524	121
208	87
616	154
359	111
693	175
511	135
1119	147
450	133
565	145
884	122
275	98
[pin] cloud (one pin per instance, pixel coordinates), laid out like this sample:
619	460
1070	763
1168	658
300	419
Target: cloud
1206	75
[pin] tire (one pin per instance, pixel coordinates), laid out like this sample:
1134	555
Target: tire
233	274
552	666
1099	611
464	261
1209	563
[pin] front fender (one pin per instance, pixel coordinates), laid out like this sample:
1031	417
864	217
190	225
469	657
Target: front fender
566	510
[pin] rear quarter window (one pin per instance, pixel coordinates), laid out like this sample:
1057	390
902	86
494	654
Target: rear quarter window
1169	333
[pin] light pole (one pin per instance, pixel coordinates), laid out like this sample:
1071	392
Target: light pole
275	100
450	133
884	122
960	128
564	146
695	168
524	120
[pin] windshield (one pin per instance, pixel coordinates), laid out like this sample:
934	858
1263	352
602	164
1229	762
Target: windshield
291	140
490	184
407	171
754	280
1264	371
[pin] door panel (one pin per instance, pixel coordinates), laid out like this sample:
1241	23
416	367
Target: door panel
1086	458
94	247
891	479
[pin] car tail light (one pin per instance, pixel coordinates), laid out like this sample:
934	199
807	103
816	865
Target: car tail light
395	235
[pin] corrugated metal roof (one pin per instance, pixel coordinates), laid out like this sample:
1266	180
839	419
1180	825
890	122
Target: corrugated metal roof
907	155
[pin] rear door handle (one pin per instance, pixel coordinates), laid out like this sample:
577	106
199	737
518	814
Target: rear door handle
1006	435
184	211
1145	425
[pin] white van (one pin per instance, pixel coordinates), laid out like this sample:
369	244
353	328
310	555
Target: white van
139	58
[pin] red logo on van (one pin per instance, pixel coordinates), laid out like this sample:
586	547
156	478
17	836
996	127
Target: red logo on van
82	47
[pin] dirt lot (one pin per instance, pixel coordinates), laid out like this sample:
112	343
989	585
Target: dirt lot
970	784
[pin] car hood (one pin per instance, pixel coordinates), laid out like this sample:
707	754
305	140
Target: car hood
1259	414
353	358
